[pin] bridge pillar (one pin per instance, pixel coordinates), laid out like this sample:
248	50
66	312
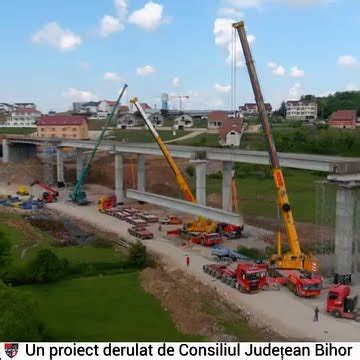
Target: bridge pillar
141	172
119	181
200	171
79	162
6	149
344	231
226	186
60	168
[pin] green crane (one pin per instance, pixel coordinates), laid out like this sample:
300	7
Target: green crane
77	195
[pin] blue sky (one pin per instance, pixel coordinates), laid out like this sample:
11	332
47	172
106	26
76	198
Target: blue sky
56	52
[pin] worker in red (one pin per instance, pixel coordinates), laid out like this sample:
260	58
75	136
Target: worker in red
187	258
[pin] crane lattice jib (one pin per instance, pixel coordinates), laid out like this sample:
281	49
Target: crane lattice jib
282	196
85	171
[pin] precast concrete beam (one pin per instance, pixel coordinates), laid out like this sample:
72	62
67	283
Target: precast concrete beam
141	172
200	173
226	186
119	179
186	207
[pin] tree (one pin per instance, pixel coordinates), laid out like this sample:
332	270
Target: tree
19	316
281	111
138	256
47	267
190	170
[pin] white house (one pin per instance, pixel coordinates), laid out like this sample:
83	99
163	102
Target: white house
23	117
231	131
129	119
5	108
183	121
301	110
156	118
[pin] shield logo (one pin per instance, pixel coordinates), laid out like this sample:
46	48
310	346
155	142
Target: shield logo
11	349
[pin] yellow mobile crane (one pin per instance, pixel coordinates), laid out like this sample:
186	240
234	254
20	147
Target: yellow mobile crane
295	258
200	225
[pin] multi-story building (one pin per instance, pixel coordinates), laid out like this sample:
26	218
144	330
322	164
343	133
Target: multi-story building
23	117
5	108
304	110
63	126
25	105
251	110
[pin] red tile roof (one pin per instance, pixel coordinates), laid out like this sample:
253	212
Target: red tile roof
229	125
218	115
345	117
145	106
61	120
124	108
111	102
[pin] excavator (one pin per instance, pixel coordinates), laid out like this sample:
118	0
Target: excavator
294	260
77	195
200	225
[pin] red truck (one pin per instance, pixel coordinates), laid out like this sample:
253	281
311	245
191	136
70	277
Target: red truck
205	239
247	277
141	233
302	284
340	305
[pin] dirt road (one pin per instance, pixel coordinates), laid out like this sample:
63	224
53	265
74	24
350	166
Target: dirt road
281	311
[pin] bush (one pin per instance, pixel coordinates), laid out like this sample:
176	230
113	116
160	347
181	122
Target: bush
19	318
47	267
5	247
138	256
252	253
190	170
217	175
101	242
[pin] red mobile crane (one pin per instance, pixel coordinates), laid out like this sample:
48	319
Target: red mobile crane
50	195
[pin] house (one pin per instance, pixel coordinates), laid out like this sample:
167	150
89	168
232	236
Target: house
216	118
183	121
305	110
145	107
123	109
230	132
343	119
23	117
156	118
129	119
25	105
104	108
251	109
5	108
63	126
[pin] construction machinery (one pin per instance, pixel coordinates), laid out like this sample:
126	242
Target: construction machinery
77	195
171	220
50	195
106	202
340	304
295	258
141	233
22	191
200	225
245	276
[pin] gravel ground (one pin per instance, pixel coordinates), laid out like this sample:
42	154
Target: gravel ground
280	311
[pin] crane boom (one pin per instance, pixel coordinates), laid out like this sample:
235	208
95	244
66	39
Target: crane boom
184	187
77	195
295	258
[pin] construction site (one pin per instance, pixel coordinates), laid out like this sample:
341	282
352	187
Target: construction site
204	245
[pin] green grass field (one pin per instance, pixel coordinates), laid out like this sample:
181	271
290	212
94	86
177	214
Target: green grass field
257	197
108	308
201	140
145	136
17	131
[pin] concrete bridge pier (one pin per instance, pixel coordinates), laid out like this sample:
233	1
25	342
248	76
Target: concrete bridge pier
79	162
226	186
60	168
141	172
200	172
119	181
17	152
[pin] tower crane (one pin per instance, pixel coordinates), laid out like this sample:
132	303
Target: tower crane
181	98
293	259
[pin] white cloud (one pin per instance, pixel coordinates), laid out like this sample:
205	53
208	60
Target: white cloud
145	70
258	3
224	89
295	92
112	76
55	36
230	12
348	61
150	17
296	72
352	87
121	8
276	69
79	95
223	38
109	25
176	81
